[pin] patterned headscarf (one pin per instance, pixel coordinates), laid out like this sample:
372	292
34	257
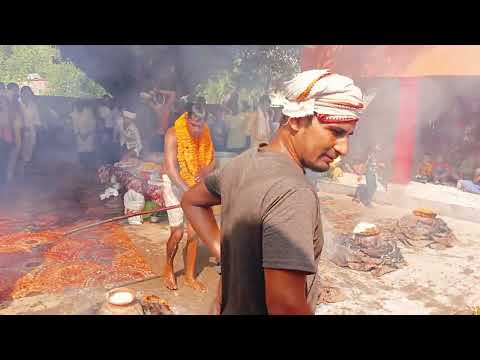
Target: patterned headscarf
334	97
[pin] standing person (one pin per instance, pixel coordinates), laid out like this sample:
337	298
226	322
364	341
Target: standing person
15	164
161	102
6	135
84	126
32	122
116	116
162	108
218	129
132	141
236	122
260	124
153	115
107	116
365	192
189	157
271	236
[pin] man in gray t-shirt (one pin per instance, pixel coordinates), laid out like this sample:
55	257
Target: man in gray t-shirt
270	219
271	232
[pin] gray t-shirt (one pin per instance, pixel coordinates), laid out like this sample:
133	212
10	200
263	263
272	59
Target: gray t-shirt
270	219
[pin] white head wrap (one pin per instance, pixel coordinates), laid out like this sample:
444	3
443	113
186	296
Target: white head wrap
324	93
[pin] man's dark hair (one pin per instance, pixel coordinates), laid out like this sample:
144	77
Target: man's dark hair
13	86
196	109
201	100
26	89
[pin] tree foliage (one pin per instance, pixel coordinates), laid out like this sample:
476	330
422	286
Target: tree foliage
255	70
64	78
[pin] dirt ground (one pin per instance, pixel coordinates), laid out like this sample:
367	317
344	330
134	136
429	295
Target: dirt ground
433	282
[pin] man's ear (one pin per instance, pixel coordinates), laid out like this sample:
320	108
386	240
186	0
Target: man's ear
296	124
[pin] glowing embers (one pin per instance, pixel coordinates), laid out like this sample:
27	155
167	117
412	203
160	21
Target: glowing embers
66	250
26	241
56	277
366	253
132	263
98	257
7	283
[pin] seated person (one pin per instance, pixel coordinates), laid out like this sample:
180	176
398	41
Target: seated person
467	167
441	170
425	170
335	171
472	186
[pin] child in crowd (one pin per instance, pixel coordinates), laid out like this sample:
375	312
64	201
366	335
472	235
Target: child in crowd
441	170
425	170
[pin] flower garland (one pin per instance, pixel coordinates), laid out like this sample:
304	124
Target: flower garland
192	154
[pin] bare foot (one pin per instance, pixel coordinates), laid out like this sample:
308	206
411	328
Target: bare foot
169	279
195	284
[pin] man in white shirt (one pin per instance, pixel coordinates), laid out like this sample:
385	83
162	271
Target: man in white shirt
6	137
15	163
131	136
31	120
84	126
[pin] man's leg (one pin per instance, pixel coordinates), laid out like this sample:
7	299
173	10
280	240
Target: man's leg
12	162
176	234
4	152
192	245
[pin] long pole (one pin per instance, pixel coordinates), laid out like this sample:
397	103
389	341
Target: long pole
85	227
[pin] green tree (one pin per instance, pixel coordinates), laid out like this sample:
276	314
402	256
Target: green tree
254	71
64	78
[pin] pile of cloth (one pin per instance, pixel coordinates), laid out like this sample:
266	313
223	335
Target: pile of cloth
129	181
415	230
361	252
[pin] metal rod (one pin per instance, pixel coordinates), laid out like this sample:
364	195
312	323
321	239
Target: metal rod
85	227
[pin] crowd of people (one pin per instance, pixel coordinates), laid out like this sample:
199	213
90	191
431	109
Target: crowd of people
20	123
105	130
465	174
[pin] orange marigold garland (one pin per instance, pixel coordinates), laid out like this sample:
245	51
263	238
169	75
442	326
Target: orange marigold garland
192	154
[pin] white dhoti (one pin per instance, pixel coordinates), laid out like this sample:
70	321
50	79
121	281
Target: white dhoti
29	142
175	216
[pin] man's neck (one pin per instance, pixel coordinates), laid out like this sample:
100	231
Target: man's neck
283	144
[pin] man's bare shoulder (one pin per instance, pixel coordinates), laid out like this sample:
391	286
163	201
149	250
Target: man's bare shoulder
170	135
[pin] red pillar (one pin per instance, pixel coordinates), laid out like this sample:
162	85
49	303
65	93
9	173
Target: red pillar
406	130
